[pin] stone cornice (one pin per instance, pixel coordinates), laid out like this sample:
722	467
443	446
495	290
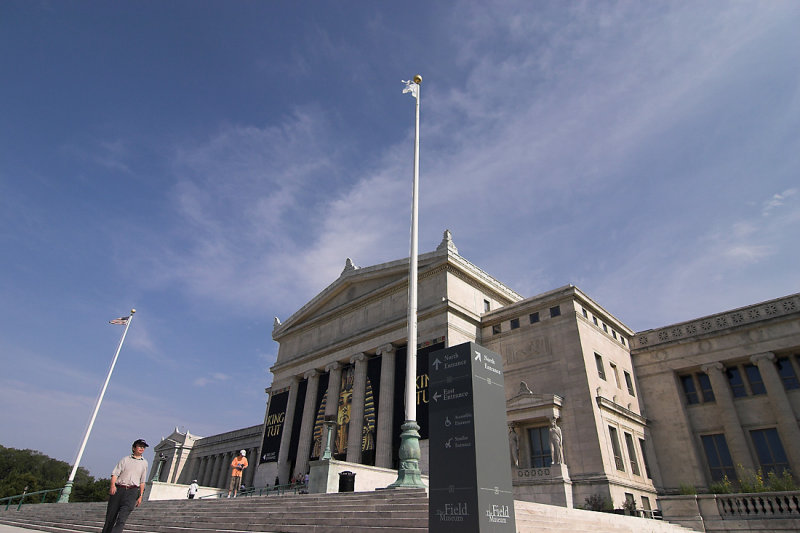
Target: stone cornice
610	405
714	324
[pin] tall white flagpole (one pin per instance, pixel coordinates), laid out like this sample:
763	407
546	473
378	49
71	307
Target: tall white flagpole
408	474
68	487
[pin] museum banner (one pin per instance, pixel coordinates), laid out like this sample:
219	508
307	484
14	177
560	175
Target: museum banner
274	427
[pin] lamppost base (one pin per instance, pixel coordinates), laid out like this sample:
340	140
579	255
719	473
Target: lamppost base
409	475
65	492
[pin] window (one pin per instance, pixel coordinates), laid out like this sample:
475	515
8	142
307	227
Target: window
787	373
605	328
585	314
646	504
614	334
754	378
616	374
644	459
769	450
719	458
629	383
496	329
689	390
486	306
632	454
540	447
705	387
615	446
555	311
736	382
622	340
598	360
534	317
514	323
594	319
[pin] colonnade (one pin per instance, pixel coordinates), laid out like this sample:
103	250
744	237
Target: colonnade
735	435
383	436
214	470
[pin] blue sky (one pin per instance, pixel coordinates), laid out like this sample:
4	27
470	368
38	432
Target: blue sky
212	164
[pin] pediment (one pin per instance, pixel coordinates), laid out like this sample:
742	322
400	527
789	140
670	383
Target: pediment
352	287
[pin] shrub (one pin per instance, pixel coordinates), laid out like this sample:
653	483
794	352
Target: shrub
597	502
784	482
686	489
721	487
750	481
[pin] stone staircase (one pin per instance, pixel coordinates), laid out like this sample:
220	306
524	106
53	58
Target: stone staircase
404	511
401	511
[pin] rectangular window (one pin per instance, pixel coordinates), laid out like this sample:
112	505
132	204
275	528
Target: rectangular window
540	447
605	328
614	334
486	306
736	382
594	319
616	374
705	387
615	446
622	340
689	390
787	373
719	458
496	329
632	454
629	383
644	459
514	323
770	452
585	314
598	361
555	311
534	317
754	378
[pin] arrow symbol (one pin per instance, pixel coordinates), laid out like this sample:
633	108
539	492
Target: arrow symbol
436	396
436	363
478	356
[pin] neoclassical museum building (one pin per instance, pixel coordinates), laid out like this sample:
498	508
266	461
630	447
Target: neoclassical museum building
639	413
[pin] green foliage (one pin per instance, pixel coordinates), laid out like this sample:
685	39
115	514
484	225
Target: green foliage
28	468
750	481
629	505
687	489
722	487
597	502
781	483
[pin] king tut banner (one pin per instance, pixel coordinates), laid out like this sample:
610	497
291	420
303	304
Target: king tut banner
274	427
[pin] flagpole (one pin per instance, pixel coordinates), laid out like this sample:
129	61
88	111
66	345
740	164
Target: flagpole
408	473
67	490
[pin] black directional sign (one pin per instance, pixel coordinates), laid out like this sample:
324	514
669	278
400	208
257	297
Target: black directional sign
470	473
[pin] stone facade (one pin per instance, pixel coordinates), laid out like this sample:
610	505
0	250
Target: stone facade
593	408
185	457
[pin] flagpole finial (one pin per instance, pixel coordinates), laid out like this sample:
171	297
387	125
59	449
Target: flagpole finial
418	79
133	311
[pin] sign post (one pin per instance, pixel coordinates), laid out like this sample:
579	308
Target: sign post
470	473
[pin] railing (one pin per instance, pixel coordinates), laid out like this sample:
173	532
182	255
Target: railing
8	500
759	505
293	488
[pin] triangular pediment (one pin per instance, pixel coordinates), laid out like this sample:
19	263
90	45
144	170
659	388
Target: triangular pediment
354	285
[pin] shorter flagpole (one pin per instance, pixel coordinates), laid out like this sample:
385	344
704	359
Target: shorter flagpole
67	490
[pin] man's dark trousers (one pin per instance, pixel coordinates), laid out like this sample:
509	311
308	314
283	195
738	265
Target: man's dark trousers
120	506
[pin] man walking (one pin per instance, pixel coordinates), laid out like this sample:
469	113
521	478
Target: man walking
127	487
238	465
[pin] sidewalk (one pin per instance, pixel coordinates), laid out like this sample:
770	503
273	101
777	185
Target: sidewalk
11	529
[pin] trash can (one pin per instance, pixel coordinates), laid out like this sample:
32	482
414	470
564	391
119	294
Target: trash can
347	481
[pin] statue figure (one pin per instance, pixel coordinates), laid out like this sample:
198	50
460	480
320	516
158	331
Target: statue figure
556	443
513	441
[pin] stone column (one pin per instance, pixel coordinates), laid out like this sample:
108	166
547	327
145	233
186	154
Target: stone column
252	466
734	434
210	470
201	478
383	434
332	403
219	470
307	424
286	432
781	406
357	408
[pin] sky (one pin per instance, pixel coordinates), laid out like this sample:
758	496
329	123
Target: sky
212	164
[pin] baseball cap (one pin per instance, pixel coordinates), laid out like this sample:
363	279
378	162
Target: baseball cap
243	452
140	442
